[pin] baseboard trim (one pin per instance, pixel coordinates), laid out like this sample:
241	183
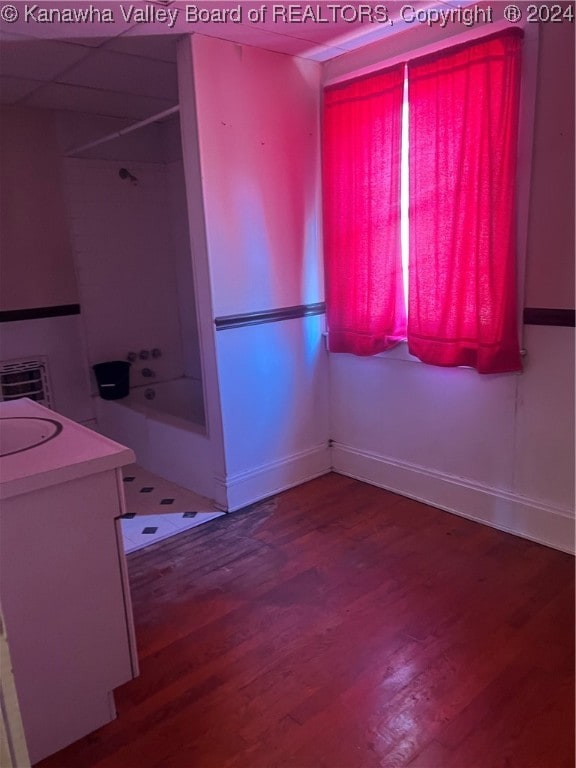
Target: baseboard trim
506	511
244	488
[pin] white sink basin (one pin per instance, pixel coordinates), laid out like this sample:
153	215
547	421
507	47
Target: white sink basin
20	433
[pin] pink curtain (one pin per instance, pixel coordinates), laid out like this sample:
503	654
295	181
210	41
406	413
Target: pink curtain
463	139
361	193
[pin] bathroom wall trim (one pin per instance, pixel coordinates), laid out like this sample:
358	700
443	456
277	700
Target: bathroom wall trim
269	316
38	313
507	511
532	315
543	316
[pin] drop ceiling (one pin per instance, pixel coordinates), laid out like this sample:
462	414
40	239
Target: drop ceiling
127	69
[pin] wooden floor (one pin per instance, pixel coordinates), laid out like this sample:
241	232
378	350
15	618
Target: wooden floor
341	626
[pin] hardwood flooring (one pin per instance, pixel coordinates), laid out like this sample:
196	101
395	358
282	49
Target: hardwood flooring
341	626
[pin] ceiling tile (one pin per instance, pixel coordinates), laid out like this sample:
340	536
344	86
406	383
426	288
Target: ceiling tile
365	34
322	53
352	42
269	35
14	89
271	41
47	20
37	59
98	102
313	32
128	70
158	47
245	34
126	74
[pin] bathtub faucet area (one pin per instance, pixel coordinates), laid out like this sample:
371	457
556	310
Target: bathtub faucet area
144	354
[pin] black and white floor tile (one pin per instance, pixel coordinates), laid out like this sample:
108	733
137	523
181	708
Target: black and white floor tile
157	509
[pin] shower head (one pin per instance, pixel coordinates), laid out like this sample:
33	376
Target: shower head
124	173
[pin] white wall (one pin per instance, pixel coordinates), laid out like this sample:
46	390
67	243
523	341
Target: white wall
258	126
498	449
544	440
259	121
274	392
37	261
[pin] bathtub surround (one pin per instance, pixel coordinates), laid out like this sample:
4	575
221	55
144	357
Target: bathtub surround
125	266
155	143
136	281
180	399
183	262
124	173
133	259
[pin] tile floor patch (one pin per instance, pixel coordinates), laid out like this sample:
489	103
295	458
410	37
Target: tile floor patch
146	497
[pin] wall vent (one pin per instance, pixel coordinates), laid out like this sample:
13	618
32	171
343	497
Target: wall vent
25	378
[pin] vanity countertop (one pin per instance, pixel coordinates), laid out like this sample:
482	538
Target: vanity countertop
73	452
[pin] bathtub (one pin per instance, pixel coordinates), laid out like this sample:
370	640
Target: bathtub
181	398
164	425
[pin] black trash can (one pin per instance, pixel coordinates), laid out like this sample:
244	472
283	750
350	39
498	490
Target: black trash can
113	379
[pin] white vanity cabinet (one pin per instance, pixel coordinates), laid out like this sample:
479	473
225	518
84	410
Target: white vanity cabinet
63	582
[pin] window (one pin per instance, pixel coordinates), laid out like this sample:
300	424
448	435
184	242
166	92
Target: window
461	122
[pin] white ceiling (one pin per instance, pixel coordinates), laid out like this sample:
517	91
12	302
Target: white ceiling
128	69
